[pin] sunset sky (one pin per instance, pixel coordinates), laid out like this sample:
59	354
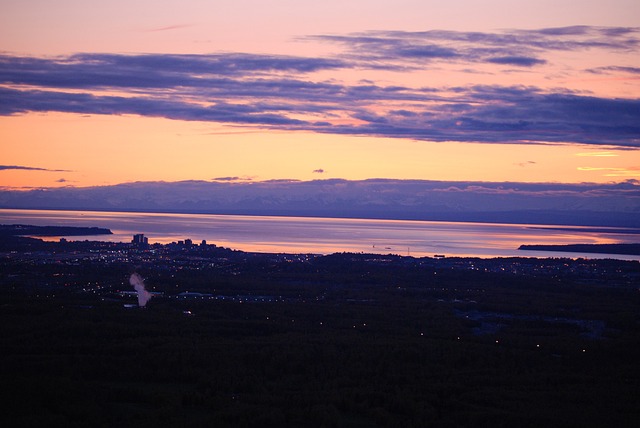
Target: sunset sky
102	93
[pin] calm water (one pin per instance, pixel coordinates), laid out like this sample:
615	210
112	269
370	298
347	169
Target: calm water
326	235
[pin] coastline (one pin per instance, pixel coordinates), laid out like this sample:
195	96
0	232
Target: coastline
304	235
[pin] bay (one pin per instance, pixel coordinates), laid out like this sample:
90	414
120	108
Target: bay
330	235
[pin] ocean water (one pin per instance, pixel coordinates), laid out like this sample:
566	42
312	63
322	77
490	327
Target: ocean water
330	235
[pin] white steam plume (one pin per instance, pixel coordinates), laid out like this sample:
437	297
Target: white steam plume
138	283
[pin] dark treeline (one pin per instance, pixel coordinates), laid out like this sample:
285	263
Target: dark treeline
346	340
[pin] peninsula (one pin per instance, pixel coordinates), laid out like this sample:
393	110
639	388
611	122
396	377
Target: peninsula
626	249
29	230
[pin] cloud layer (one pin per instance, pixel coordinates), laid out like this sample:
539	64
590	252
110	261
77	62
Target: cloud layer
550	203
523	48
286	92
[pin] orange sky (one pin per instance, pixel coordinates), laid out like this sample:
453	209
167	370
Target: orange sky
58	145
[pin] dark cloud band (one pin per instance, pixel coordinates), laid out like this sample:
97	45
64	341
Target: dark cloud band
556	203
29	168
274	91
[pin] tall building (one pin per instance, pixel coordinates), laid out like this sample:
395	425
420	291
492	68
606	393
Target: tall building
139	239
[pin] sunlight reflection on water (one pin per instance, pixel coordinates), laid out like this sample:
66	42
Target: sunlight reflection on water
327	235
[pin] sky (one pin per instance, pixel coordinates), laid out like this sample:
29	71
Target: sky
104	93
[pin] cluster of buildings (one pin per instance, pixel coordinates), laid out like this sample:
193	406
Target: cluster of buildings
140	240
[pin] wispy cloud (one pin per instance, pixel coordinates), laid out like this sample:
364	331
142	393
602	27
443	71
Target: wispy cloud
284	92
603	154
613	171
593	168
168	28
233	179
516	47
29	168
527	163
615	69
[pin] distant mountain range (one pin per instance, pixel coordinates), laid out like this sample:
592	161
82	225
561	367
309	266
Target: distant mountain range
537	203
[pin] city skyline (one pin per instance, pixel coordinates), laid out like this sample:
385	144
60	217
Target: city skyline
247	92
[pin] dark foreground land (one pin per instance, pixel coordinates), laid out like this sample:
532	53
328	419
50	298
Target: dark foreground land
348	340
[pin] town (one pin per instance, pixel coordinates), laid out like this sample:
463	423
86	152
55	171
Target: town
186	255
312	340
